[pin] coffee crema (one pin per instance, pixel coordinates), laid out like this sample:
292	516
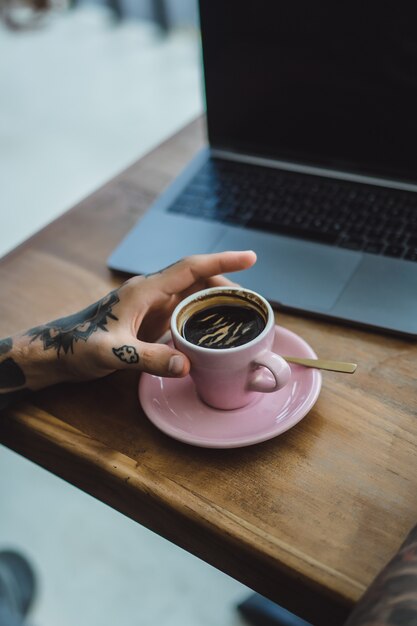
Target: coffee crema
223	326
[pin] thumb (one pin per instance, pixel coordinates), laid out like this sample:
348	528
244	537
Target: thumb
153	358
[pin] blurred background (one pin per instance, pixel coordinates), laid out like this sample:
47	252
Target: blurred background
85	90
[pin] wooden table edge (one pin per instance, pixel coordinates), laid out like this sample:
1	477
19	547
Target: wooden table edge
111	477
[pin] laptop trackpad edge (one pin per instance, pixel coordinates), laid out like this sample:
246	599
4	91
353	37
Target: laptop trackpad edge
382	292
291	272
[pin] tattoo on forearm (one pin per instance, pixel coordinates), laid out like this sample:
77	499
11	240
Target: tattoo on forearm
163	269
391	600
127	354
11	376
6	345
63	333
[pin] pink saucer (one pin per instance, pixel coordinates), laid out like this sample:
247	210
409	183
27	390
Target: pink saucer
173	406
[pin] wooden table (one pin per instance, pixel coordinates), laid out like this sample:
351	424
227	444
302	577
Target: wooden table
307	518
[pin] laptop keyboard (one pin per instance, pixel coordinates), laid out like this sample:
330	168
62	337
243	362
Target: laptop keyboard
349	215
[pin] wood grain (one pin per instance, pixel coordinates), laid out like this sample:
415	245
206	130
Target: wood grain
308	518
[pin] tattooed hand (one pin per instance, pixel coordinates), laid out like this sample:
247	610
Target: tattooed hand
117	332
391	600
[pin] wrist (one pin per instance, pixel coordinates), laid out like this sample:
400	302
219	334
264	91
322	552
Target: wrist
41	367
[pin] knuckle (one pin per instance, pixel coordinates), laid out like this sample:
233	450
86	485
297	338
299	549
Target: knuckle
154	361
129	289
132	283
146	356
190	259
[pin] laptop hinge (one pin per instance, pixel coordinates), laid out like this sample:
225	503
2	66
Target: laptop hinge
309	169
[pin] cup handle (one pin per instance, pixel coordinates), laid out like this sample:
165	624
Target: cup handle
279	369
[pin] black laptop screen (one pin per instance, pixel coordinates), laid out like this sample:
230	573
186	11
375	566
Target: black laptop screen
319	82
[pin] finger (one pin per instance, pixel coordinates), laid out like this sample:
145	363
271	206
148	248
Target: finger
204	283
153	358
185	273
221	281
162	360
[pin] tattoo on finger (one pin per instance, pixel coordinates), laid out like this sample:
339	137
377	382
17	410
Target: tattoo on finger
127	354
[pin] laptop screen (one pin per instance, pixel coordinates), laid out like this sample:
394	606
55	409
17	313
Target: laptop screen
317	82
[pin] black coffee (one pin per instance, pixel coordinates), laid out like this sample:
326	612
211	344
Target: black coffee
223	326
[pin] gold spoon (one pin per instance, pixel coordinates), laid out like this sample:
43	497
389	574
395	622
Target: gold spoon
324	364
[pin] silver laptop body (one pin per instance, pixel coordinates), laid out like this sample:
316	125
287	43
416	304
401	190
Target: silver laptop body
338	282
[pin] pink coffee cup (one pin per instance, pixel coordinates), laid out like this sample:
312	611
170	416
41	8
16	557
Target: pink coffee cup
230	378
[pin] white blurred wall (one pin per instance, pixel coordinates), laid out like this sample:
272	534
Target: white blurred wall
80	99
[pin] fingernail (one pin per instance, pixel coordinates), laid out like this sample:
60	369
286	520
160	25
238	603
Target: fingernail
176	364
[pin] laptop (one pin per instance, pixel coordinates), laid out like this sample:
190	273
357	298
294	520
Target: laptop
311	159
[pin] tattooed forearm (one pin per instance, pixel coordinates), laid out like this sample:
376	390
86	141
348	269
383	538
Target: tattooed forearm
6	345
127	354
11	376
391	600
63	333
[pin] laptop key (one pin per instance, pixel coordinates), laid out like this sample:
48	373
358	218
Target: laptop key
412	241
352	244
411	254
292	231
373	248
397	251
349	215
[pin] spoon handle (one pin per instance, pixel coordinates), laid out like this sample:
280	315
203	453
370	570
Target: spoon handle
324	364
